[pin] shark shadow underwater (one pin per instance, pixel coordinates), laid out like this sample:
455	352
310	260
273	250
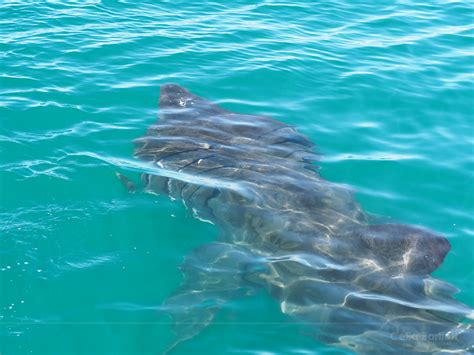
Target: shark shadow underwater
306	241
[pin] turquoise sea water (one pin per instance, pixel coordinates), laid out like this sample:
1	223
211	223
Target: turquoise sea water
385	90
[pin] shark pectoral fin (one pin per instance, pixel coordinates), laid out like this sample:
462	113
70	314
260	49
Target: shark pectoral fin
213	275
126	182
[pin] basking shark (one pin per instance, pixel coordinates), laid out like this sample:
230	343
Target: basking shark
360	286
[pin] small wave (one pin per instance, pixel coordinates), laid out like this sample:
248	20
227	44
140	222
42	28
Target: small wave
375	156
144	167
87	263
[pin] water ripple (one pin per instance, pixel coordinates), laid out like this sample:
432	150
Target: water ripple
384	89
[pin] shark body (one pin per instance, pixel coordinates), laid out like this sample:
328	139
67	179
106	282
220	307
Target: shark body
365	287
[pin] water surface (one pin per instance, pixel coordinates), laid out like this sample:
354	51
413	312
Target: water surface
385	90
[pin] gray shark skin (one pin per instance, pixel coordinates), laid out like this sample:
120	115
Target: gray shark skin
364	287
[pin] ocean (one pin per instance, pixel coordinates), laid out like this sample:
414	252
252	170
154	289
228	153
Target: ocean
384	89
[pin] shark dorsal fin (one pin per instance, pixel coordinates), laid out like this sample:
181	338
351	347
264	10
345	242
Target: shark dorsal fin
188	122
178	103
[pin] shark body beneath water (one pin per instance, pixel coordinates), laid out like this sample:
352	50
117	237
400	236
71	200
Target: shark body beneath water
364	287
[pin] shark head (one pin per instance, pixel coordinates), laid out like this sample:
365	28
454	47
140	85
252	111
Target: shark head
405	249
